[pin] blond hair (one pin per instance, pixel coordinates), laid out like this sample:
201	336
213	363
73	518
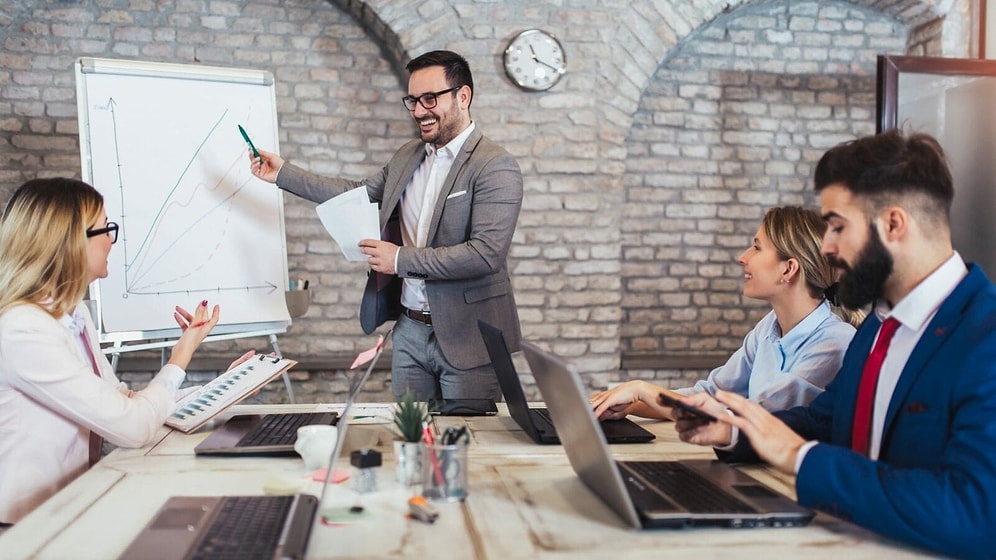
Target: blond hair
797	233
43	244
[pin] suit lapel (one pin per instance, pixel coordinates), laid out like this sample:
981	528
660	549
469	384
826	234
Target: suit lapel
396	183
939	329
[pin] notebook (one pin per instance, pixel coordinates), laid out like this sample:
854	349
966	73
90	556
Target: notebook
243	527
653	494
536	421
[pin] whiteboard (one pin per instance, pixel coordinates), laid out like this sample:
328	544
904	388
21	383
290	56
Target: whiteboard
161	144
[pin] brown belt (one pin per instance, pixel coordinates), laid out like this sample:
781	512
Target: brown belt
420	316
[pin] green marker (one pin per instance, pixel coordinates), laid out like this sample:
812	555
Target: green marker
248	141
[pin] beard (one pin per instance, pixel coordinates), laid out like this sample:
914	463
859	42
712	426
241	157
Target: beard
447	128
864	282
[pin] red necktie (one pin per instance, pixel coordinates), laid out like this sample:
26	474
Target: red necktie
865	404
96	442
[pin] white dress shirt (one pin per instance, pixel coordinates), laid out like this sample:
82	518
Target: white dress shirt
50	400
417	206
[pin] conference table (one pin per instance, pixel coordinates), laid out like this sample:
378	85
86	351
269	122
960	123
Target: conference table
524	501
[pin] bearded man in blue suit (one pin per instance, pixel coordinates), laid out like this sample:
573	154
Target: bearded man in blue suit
903	445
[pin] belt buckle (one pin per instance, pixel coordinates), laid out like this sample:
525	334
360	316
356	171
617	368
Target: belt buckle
420	316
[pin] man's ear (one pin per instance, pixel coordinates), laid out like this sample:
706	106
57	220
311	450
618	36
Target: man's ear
465	94
895	223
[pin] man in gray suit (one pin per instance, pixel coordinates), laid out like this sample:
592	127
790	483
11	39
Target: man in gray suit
449	203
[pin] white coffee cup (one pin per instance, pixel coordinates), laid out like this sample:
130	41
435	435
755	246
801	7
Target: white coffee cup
315	445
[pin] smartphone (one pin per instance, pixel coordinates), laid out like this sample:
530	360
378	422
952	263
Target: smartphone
667	400
463	407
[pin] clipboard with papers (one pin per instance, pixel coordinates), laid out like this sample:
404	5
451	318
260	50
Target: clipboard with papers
229	388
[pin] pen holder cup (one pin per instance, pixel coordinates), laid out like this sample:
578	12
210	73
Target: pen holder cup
297	302
444	472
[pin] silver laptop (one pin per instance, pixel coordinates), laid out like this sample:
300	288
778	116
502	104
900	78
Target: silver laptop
536	422
653	494
243	527
268	434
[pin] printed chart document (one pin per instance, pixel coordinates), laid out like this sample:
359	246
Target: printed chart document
349	218
229	388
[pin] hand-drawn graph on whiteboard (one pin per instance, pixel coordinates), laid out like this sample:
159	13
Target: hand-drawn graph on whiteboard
161	143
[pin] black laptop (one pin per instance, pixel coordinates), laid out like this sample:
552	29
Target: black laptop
536	421
653	494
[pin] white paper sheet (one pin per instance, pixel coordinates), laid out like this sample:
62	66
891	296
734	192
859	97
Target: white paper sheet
349	218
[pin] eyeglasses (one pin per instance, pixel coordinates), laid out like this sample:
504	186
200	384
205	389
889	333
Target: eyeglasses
111	229
428	100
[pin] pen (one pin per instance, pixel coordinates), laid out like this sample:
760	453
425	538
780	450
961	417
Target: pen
248	141
429	441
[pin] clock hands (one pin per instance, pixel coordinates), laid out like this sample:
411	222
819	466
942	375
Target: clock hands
543	62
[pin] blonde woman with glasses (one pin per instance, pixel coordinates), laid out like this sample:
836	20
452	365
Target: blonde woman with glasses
794	351
58	394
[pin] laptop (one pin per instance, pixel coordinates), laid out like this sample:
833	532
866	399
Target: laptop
266	434
243	527
536	421
653	494
261	434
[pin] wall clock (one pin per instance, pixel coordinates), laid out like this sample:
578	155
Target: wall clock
535	60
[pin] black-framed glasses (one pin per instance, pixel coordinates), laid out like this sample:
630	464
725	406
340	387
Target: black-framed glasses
428	100
110	229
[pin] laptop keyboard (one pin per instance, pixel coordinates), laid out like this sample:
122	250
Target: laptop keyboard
689	489
246	528
278	429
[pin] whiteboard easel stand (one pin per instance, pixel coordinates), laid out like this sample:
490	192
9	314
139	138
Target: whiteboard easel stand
107	89
119	347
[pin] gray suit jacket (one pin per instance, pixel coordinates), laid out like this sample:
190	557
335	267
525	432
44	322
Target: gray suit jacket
464	265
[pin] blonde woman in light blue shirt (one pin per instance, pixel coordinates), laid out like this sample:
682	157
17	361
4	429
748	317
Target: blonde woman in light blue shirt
793	351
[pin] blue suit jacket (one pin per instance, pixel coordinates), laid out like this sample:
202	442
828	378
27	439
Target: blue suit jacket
934	484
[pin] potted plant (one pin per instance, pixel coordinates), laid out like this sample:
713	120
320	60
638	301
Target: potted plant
410	417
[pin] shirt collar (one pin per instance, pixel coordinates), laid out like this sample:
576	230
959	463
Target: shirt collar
922	302
803	329
74	322
452	148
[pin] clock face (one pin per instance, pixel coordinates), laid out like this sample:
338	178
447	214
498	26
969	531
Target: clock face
534	60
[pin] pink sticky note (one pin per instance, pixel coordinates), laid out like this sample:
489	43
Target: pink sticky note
367	355
338	476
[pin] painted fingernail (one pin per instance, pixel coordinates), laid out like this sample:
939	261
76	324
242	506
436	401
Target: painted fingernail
204	303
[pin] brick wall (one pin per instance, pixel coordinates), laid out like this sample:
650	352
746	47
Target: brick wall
646	168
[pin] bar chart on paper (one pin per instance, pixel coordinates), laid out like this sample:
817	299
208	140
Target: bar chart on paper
164	149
